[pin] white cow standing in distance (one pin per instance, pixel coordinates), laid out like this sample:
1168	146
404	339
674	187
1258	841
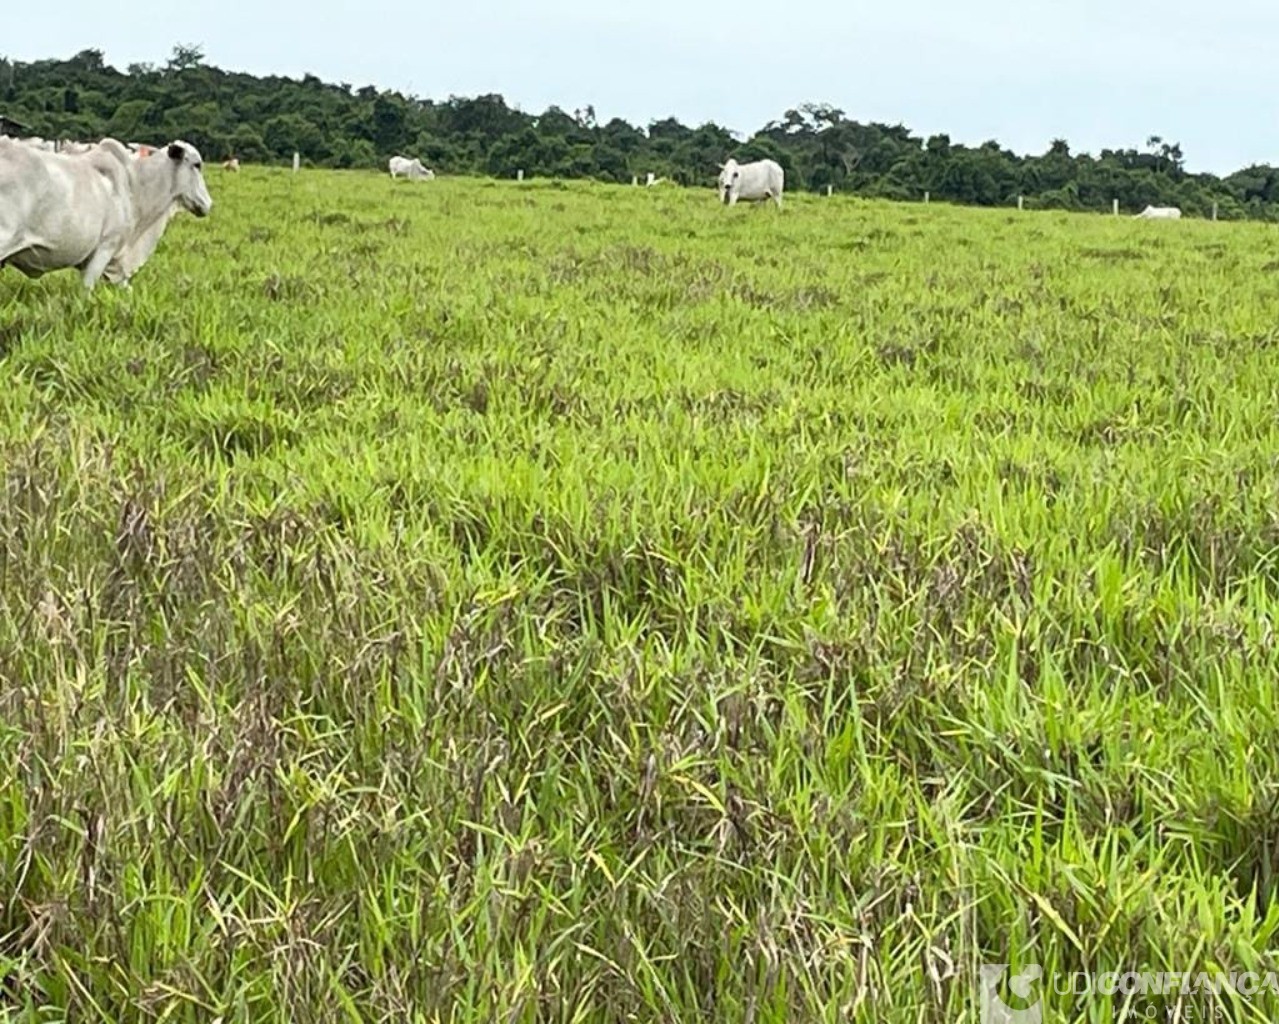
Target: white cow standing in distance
1160	213
753	182
101	212
412	169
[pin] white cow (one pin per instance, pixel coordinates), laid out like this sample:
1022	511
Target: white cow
401	166
101	212
760	180
1160	213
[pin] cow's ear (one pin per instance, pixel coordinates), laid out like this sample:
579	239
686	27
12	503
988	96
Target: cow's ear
176	152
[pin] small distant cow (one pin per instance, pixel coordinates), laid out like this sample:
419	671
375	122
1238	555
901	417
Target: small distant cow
403	167
231	165
1159	213
753	182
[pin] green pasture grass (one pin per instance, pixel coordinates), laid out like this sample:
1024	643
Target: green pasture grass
472	601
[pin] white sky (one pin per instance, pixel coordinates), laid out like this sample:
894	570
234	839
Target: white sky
1099	73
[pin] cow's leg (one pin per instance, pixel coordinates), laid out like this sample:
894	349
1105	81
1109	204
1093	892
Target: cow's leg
93	269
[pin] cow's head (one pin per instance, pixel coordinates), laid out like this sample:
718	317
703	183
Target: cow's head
189	188
728	175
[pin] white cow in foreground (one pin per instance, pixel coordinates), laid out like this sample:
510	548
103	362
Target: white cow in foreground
101	212
1160	213
412	169
753	182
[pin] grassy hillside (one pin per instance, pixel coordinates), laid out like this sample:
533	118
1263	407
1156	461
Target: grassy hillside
477	602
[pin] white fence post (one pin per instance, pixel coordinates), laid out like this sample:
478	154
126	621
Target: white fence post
519	175
1021	202
1115	204
297	161
1214	211
926	195
830	190
634	179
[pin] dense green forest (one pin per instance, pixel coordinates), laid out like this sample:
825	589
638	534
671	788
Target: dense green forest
338	125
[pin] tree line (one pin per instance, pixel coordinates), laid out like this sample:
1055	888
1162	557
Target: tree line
267	119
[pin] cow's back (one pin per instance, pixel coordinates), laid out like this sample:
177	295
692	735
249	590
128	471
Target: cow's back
24	180
113	162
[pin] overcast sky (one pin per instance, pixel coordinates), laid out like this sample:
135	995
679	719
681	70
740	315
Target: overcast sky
1099	73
